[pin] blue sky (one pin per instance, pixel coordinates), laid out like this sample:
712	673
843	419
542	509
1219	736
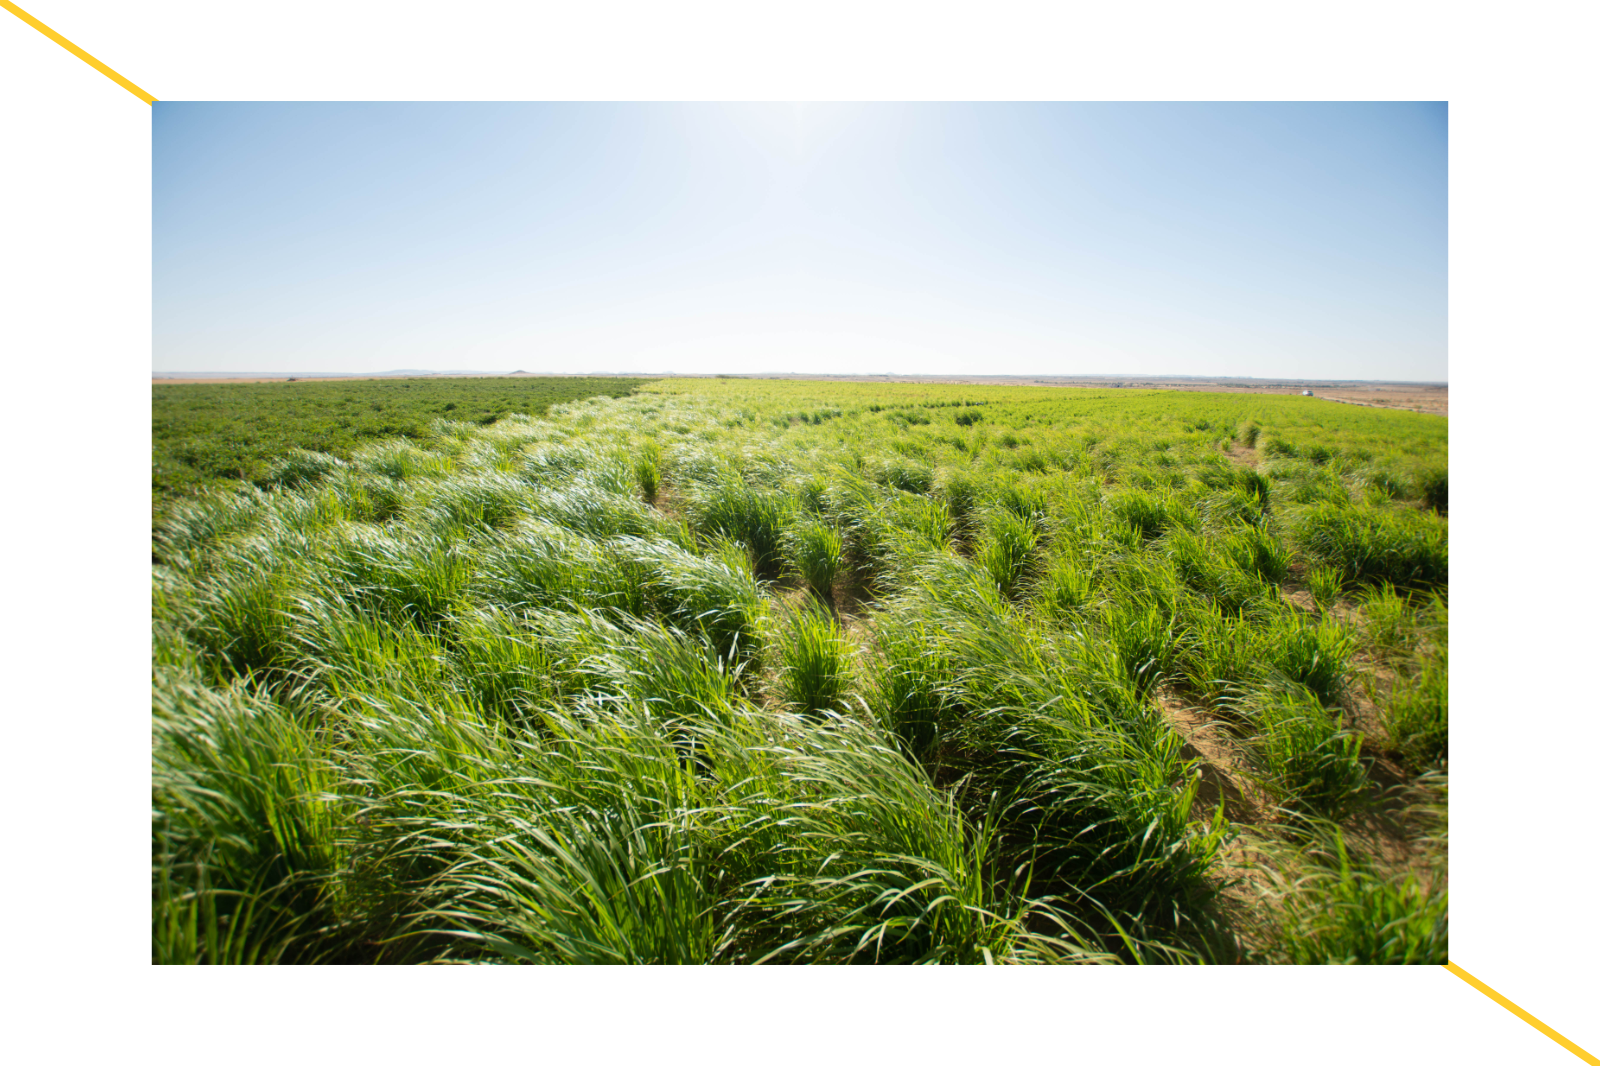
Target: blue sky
1294	240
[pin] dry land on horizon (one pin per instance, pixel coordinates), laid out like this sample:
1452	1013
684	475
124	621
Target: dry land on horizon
1423	396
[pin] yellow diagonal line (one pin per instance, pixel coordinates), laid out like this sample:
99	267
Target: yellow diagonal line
79	52
1512	1007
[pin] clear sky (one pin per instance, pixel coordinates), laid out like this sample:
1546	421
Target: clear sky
1294	240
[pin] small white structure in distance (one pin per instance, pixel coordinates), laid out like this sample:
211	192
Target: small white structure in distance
1307	392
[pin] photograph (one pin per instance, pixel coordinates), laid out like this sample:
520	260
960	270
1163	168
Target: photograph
800	532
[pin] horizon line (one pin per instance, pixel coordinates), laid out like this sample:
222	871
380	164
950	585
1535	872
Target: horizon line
156	374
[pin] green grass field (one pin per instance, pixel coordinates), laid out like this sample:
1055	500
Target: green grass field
744	671
208	433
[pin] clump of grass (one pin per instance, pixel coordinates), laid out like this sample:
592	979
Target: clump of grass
417	581
1319	453
1249	433
1256	484
200	524
1326	584
962	492
1028	460
540	564
245	832
1207	571
910	681
402	460
1381	484
1220	657
715	595
1311	653
193	923
366	497
1256	551
239	622
1027	501
583	887
927	520
353	657
591	854
814	661
815	549
731	508
1067	587
889	543
1433	486
1181	513
1142	511
1301	481
1008	549
1340	911
472	504
1144	639
1079	777
595	510
1279	447
299	467
1232	506
1417	717
663	669
810	492
887	870
1371	545
1390	625
550	463
901	473
1303	754
648	472
497	663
